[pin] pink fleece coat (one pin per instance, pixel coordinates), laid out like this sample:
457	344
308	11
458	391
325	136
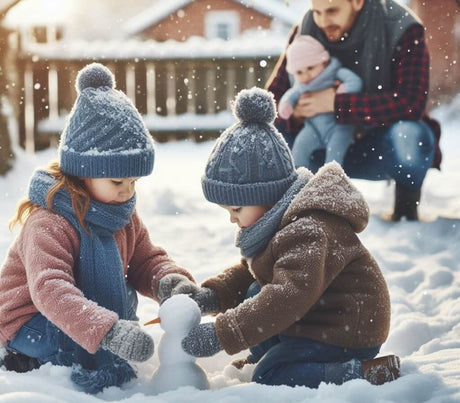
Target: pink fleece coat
38	276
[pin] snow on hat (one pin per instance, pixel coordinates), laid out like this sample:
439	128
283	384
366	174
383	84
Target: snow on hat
250	163
104	136
303	52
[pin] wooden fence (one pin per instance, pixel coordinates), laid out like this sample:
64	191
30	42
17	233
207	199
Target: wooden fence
178	98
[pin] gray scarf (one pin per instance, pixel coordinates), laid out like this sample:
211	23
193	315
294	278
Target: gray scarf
254	239
368	48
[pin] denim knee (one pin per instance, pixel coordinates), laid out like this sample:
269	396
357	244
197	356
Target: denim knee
298	361
411	145
41	339
32	339
412	142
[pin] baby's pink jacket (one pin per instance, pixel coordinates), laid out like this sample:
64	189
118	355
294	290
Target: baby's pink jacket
38	276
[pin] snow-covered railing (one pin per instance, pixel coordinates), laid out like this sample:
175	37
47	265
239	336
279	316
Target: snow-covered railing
181	89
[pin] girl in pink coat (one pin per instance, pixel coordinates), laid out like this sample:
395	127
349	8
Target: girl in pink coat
68	285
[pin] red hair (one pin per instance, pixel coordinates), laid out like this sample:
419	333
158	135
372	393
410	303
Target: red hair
78	194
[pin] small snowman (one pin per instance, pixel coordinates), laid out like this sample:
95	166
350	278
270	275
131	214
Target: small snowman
177	315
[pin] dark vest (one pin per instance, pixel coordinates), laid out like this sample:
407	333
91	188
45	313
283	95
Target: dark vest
396	19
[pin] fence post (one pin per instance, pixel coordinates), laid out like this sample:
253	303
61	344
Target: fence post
210	89
151	88
231	83
131	82
250	76
170	89
29	113
191	85
53	94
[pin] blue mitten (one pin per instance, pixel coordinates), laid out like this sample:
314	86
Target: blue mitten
202	341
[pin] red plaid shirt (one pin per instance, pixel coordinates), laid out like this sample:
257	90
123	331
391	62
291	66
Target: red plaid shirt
405	101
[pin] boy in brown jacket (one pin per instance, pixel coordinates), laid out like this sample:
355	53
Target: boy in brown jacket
307	299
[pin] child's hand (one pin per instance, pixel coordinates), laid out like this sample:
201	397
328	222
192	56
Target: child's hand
285	110
207	300
128	341
173	284
202	341
341	89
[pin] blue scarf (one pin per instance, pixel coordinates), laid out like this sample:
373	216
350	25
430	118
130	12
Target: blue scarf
254	239
99	274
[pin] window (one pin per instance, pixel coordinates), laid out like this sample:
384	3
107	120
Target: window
223	31
45	33
39	34
222	24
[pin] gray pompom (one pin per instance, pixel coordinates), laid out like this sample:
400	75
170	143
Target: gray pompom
95	75
254	105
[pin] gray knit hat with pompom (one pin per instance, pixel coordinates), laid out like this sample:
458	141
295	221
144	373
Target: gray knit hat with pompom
104	136
250	164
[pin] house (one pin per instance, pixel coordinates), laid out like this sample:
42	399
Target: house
180	20
38	21
182	88
48	21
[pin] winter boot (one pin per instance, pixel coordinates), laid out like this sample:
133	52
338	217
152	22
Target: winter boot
406	203
17	362
381	370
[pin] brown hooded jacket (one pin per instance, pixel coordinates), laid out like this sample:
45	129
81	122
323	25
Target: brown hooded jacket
317	279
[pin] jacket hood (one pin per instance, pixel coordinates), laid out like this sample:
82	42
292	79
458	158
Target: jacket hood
332	191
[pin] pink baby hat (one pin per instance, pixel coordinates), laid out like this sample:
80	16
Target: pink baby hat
305	51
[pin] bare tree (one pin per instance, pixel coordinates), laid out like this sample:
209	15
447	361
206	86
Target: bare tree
6	153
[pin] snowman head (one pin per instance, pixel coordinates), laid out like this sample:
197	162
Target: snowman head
179	314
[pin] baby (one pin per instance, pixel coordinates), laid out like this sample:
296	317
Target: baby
314	70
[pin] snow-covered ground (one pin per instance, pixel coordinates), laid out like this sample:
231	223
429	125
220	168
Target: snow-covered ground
420	262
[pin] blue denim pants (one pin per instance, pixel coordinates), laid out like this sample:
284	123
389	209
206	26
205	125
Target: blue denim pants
322	133
41	339
403	151
286	360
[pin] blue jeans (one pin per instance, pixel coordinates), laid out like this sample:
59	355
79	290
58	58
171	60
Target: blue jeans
287	360
403	151
41	339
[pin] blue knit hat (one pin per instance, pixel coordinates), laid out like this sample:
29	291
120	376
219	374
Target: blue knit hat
250	164
104	136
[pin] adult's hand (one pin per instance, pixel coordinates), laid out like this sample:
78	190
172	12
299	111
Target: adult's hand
313	103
